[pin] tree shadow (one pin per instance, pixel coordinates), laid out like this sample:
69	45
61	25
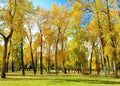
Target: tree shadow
61	80
93	81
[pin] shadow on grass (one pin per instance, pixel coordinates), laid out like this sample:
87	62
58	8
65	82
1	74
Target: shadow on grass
94	81
64	79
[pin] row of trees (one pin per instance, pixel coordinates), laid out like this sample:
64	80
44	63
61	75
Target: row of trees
85	36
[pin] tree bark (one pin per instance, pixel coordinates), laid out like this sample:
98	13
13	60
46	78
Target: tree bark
108	65
36	59
105	69
56	65
113	44
64	68
7	64
49	60
22	59
31	51
33	64
91	61
41	58
3	72
57	40
12	65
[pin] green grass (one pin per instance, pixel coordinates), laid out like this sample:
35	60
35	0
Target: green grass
57	80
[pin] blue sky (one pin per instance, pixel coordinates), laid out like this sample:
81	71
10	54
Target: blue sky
47	3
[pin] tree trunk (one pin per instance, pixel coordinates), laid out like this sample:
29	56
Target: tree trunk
64	68
12	65
33	65
91	62
41	58
114	66
108	65
57	40
31	51
49	61
36	60
7	64
56	65
22	60
105	69
3	71
97	62
113	41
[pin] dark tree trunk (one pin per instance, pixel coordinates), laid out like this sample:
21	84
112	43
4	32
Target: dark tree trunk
6	39
33	64
41	58
22	59
36	60
105	69
97	62
31	51
49	61
7	64
3	71
12	65
108	65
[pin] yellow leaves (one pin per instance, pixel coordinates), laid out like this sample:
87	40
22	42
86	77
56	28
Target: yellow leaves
7	17
93	30
112	0
86	6
108	51
114	14
54	9
117	27
75	14
37	42
76	10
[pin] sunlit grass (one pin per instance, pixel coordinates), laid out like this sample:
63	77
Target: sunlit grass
16	79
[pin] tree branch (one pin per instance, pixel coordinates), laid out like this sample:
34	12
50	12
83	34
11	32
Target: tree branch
9	36
2	35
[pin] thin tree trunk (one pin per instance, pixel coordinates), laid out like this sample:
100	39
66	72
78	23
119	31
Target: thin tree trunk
31	51
22	59
108	65
105	69
7	64
33	64
41	58
12	65
56	66
64	68
97	64
36	60
91	62
49	61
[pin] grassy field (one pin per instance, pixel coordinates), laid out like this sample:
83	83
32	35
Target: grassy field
57	80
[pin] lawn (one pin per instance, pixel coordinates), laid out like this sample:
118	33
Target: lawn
57	80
